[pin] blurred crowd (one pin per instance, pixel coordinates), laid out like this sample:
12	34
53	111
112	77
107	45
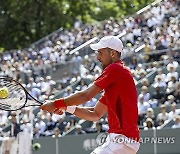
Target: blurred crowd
156	29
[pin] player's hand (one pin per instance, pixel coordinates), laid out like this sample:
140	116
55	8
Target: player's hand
49	107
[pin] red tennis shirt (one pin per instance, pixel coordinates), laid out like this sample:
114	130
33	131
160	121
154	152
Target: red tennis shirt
120	97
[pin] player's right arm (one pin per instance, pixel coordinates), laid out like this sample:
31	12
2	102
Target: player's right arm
91	114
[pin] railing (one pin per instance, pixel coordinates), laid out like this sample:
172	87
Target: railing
61	29
148	7
47	36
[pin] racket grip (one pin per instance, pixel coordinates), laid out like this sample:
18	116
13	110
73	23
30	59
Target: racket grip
59	103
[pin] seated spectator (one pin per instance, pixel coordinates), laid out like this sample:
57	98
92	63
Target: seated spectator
142	74
56	133
142	109
68	92
159	95
41	126
171	72
149	124
150	114
173	111
50	124
171	85
172	62
153	103
26	126
160	122
177	93
177	122
36	133
145	94
82	85
61	125
97	127
138	70
14	126
158	82
79	130
161	74
170	100
91	103
163	115
145	82
71	123
3	119
133	63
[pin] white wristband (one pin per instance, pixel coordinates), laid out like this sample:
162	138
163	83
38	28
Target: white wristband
71	109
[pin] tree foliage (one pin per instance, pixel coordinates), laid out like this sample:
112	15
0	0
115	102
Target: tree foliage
23	22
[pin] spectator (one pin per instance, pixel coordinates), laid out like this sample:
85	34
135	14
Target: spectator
160	122
158	82
97	127
171	72
149	124
36	132
91	103
172	62
173	111
163	115
177	93
150	114
142	109
171	85
170	100
26	126
145	94
177	122
160	74
3	119
50	125
79	130
68	92
56	133
14	126
145	82
41	126
71	123
159	95
61	125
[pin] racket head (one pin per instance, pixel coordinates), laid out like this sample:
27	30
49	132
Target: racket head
17	96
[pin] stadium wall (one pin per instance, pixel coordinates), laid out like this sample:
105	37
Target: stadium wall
165	141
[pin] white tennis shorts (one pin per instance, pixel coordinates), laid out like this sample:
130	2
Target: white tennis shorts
117	144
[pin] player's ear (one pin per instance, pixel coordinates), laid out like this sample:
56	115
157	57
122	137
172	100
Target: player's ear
113	52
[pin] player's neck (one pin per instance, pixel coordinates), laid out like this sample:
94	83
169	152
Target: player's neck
115	60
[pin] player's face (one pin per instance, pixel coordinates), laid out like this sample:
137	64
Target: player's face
104	57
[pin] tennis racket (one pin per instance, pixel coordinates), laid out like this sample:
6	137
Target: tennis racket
18	97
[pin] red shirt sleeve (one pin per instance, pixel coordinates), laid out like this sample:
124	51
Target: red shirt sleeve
103	99
108	76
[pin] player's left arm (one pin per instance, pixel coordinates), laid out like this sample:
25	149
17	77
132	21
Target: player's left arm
82	96
74	99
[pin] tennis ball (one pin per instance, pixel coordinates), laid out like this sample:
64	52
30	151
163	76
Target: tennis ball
36	146
4	92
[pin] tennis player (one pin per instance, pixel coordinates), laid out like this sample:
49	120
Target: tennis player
119	100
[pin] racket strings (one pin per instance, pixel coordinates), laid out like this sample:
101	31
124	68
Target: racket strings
16	95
